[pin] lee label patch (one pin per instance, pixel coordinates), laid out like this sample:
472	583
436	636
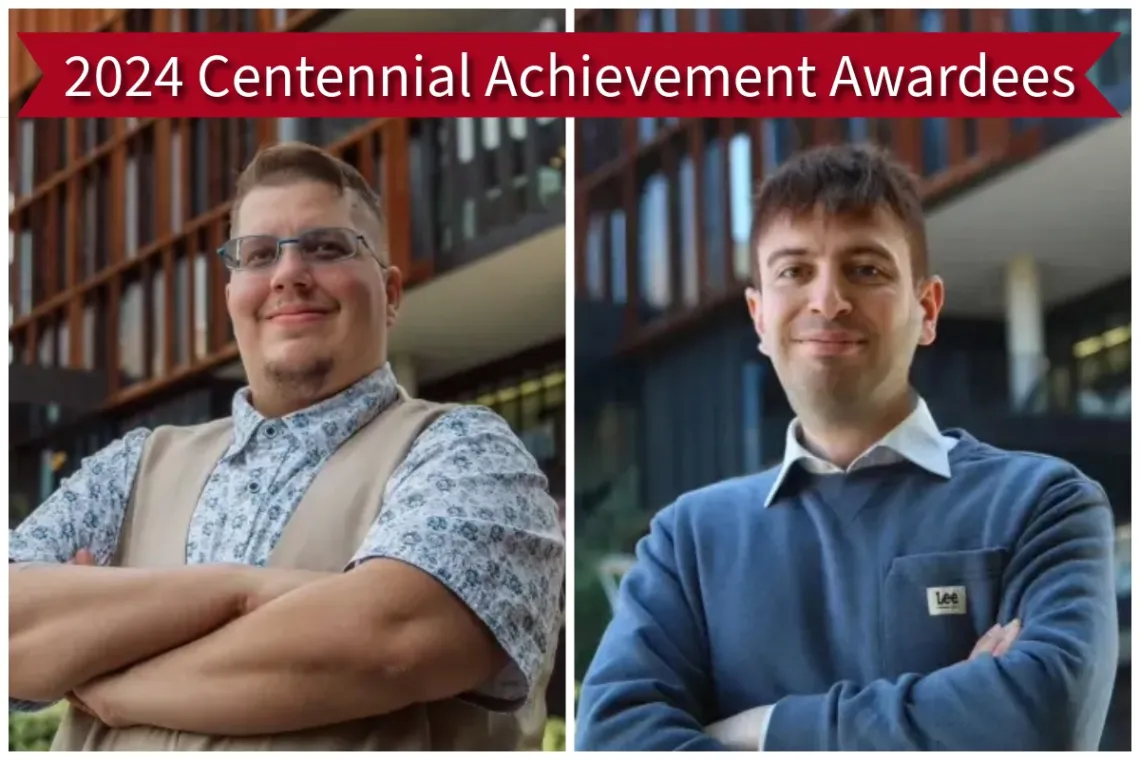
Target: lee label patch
946	600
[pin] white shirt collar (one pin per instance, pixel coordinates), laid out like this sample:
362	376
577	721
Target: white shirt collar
917	439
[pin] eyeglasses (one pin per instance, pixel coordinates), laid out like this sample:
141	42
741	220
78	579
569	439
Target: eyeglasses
323	245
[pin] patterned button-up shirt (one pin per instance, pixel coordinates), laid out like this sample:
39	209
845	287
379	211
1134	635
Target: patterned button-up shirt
468	505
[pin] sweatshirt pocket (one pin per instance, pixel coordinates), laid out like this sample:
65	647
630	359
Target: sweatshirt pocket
935	607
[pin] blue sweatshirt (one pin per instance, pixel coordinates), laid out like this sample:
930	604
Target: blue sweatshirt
852	604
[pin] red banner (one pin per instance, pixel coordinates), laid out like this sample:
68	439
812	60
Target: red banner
593	75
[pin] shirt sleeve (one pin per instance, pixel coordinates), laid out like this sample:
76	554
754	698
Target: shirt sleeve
86	512
469	506
649	685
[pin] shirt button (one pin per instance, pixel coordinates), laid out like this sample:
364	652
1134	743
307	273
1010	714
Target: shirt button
254	487
270	431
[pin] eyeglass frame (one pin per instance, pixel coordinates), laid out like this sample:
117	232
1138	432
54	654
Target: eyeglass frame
358	238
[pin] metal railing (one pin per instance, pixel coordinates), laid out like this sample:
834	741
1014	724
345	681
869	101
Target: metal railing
481	185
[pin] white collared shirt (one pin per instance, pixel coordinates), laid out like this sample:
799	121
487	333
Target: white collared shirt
917	439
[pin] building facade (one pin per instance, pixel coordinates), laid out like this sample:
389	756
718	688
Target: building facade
117	315
1033	350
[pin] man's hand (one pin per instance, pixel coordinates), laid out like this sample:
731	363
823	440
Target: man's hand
997	640
83	557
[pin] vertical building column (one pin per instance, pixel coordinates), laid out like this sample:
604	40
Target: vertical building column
405	369
1025	329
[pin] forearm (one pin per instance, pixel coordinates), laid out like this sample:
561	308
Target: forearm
69	624
631	718
316	656
1028	700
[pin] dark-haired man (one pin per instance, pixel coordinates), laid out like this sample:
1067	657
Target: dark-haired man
889	586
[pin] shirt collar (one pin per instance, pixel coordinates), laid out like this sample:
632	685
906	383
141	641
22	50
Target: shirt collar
916	439
324	426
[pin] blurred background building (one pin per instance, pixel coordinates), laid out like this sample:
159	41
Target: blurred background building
116	313
1029	223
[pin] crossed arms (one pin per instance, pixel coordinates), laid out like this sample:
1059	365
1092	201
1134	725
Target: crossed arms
650	687
232	650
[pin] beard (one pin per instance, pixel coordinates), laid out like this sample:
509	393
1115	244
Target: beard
302	379
836	389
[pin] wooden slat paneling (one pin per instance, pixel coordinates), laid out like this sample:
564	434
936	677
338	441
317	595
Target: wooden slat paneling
22	70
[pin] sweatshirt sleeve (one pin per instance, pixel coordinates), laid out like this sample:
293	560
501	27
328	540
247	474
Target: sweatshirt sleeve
648	687
1049	692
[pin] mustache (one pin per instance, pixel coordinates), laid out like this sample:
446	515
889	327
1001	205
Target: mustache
277	307
851	327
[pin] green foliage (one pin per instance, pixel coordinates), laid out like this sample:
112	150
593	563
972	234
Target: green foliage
555	738
33	732
613	527
591	609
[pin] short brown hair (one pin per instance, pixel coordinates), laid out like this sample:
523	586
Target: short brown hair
843	180
292	161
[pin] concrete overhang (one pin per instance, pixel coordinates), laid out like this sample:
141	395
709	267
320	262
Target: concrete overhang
495	307
1070	208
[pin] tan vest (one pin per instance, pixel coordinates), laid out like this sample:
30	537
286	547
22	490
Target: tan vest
323	534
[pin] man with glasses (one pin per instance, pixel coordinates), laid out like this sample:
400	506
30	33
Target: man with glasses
335	566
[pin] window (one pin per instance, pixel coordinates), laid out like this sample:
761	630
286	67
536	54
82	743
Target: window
157	322
94	335
63	335
595	257
465	153
47	346
199	171
442	188
732	21
27	263
95	205
516	173
181	306
713	206
776	134
855	130
27	156
131	364
489	182
740	190
550	134
618	284
690	271
935	145
131	207
653	226
176	179
752	394
201	303
421	170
